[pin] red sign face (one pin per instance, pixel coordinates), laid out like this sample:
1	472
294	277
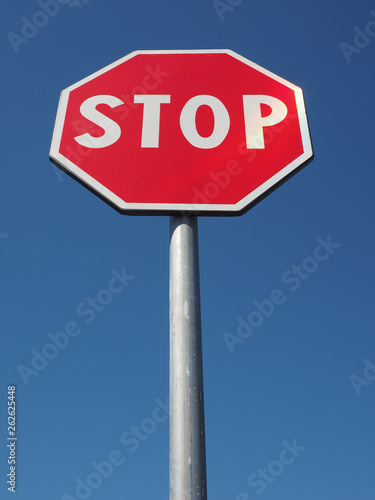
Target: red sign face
167	132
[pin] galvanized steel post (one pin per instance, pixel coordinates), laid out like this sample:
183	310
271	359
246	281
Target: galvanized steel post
187	455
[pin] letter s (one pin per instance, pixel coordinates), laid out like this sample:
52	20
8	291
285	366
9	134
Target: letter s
133	441
255	484
291	280
81	311
112	131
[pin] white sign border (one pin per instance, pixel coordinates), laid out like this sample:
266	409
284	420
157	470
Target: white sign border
173	208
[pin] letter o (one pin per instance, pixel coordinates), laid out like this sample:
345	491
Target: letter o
257	315
221	122
38	15
104	292
368	31
151	424
310	265
97	478
47	348
279	468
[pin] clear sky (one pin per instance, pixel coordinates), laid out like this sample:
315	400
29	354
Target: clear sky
290	408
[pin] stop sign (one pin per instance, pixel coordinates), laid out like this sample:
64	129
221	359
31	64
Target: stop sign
165	132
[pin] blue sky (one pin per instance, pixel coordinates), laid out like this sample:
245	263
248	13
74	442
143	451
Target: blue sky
290	409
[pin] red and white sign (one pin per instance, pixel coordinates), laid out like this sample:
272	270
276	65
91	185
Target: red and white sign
163	132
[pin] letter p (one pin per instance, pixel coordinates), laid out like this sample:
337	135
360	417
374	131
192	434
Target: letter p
255	122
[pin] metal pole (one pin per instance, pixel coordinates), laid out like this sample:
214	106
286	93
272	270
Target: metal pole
187	451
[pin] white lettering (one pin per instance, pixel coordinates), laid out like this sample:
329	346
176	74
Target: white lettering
151	117
112	131
188	122
255	122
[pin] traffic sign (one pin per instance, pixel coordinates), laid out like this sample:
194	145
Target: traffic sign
171	132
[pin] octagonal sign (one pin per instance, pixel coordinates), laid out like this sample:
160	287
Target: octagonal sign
171	132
